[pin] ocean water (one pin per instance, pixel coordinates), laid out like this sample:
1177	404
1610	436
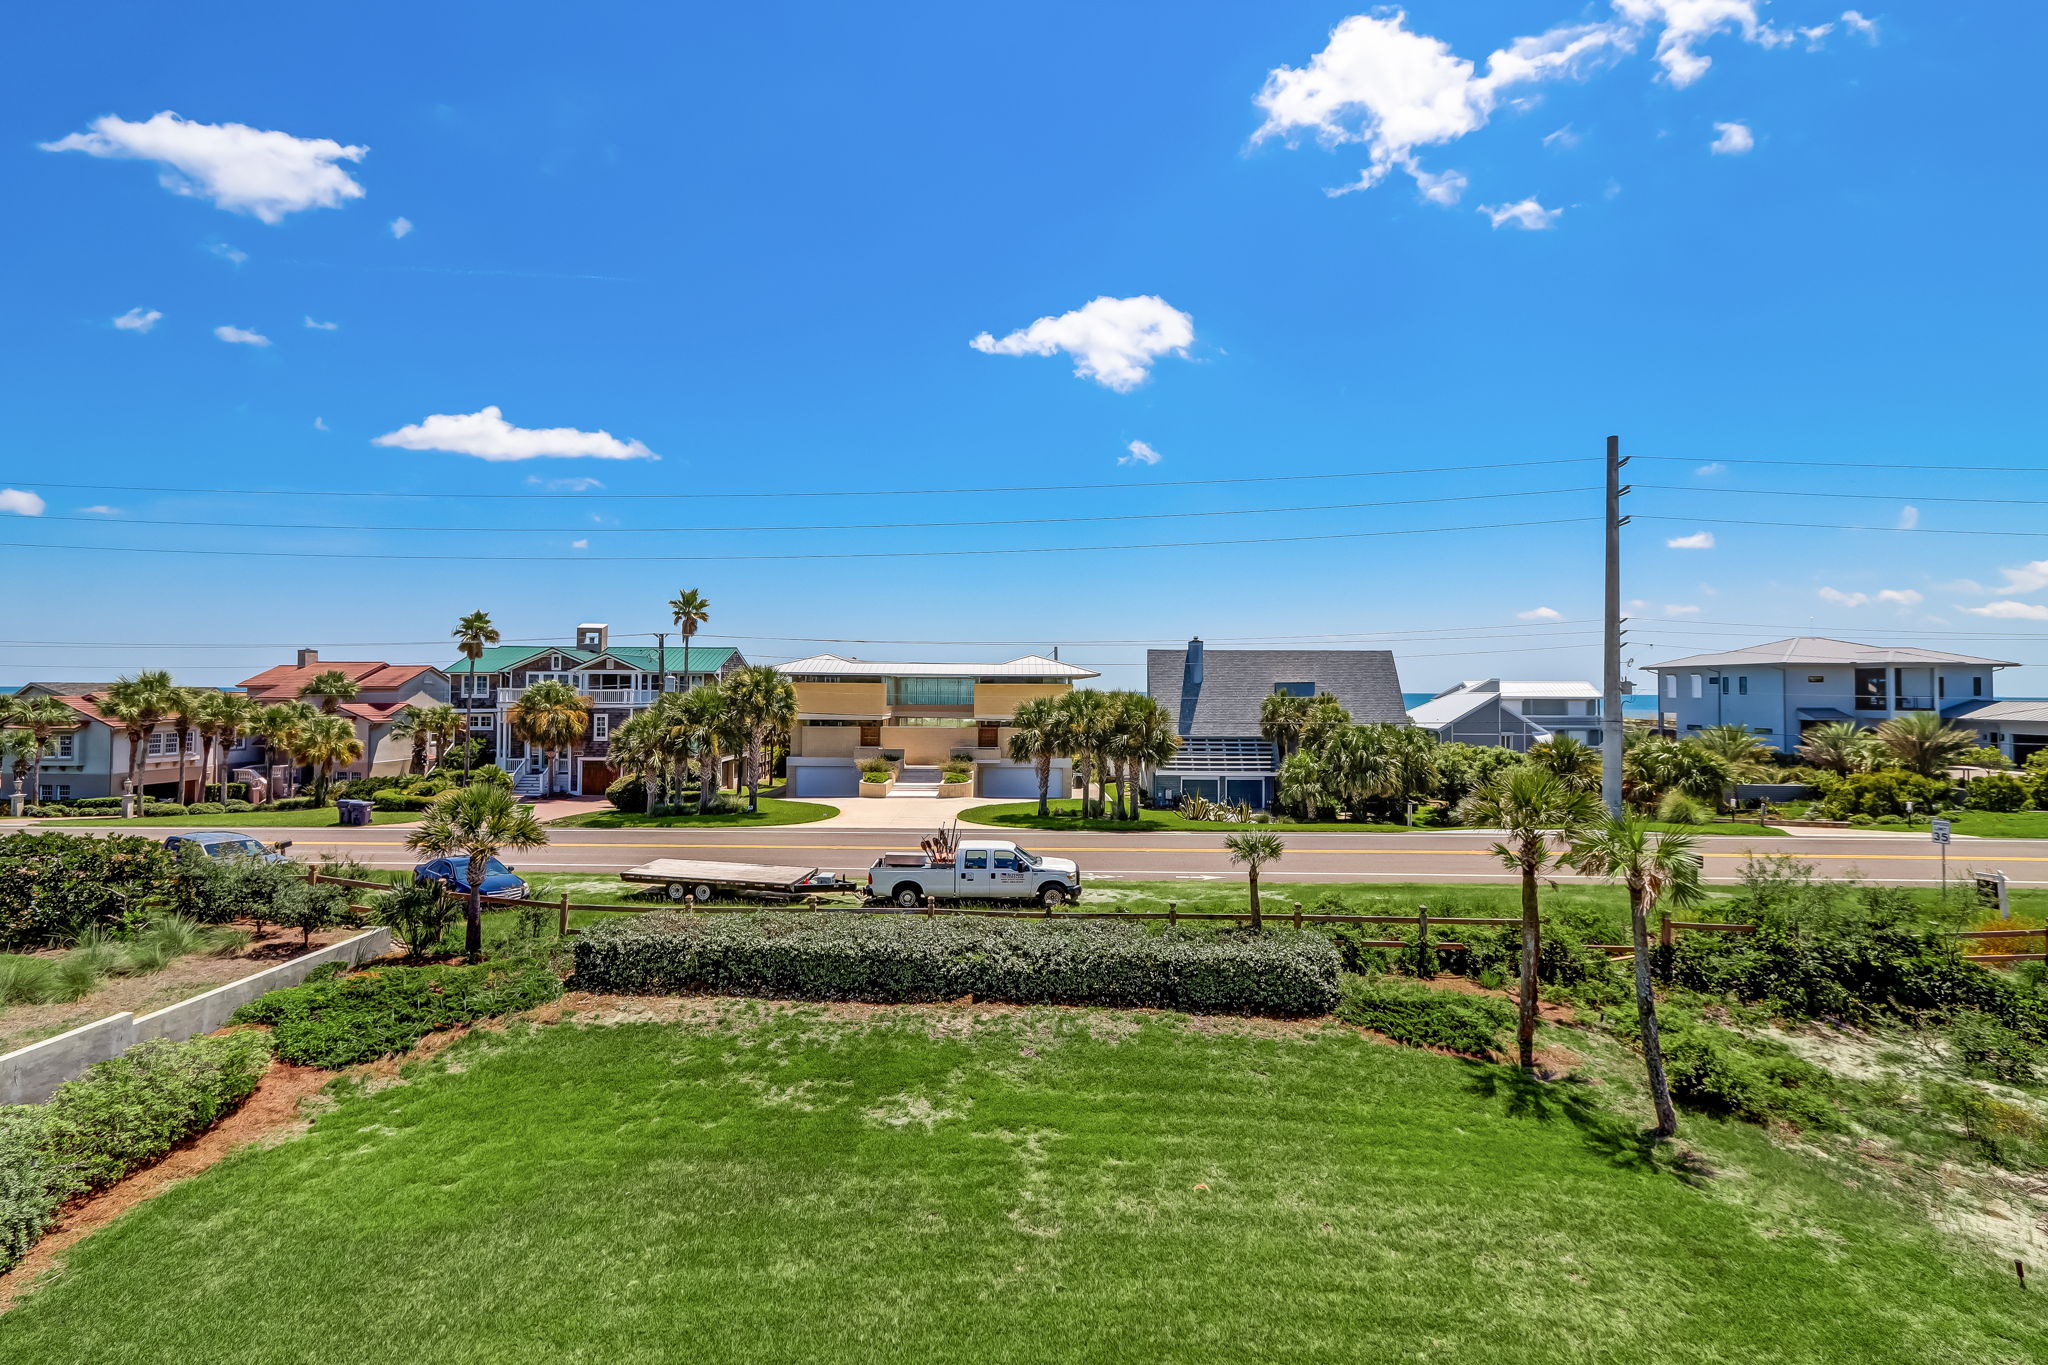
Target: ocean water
1638	705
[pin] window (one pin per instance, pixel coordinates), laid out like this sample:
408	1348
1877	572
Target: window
974	859
55	791
931	691
601	726
940	722
1307	689
481	722
1976	687
1596	737
1742	686
1670	684
1006	861
1696	686
1723	681
1873	691
1545	706
1941	685
67	747
1817	677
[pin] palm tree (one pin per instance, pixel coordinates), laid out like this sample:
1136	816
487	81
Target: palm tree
437	723
1147	739
443	724
1088	713
1652	765
762	704
1530	805
1254	851
1413	752
39	719
474	634
1654	868
1038	735
281	725
1359	765
1281	718
1749	758
138	705
1304	787
1577	762
554	716
188	704
332	688
688	610
1923	742
225	717
1324	717
476	824
1841	746
702	717
327	742
651	745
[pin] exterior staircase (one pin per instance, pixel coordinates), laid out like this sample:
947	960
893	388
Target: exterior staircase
917	784
528	781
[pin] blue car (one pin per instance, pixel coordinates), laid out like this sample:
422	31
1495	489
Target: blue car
453	873
222	843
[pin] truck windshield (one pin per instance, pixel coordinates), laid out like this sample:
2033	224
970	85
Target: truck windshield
1027	859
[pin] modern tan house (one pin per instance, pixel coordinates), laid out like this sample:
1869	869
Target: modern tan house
918	714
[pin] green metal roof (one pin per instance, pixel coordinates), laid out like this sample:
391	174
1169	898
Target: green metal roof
505	658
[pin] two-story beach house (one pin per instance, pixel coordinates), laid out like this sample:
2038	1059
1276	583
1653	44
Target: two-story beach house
919	714
92	759
383	691
1215	696
620	681
1784	688
1511	715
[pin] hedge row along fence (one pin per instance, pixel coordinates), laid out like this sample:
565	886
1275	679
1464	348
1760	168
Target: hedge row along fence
905	958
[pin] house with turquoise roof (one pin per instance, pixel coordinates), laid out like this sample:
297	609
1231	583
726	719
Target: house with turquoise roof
620	680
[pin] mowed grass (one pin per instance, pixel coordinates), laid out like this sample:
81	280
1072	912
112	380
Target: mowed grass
325	818
785	1184
772	812
1066	815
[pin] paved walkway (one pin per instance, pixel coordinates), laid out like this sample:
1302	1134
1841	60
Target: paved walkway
898	810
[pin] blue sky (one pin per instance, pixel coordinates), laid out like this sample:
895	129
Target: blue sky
758	245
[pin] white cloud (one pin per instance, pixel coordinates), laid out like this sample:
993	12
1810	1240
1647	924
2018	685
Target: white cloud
1698	540
1735	139
1113	341
1885	597
1857	24
1815	35
99	509
322	326
1688	23
1445	189
1527	215
1680	609
579	544
2031	577
1540	614
1564	137
320	424
231	254
1140	454
241	336
2002	611
21	502
1708	471
138	320
1909	517
488	436
400	226
576	485
241	169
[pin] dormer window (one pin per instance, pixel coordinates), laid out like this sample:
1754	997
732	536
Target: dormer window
1294	689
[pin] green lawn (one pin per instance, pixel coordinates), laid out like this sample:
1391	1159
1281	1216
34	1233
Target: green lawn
324	818
790	1184
772	812
1067	816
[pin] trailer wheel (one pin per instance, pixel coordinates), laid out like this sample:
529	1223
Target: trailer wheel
910	896
703	892
1052	896
676	891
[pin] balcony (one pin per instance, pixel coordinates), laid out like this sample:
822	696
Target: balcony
599	696
1911	703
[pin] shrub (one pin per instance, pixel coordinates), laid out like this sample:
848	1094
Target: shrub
1999	792
125	1113
206	808
292	803
419	914
1677	808
31	1189
98	803
491	775
1989	1050
343	1020
1712	1068
877	778
878	765
894	958
628	794
1422	1017
235	807
56	884
162	808
236	791
366	788
215	890
400	801
1883	793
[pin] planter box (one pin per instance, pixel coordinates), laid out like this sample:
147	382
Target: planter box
964	787
877	788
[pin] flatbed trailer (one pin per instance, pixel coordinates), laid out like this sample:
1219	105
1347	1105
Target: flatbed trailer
690	877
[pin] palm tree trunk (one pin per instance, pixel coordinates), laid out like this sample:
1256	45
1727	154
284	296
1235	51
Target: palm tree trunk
1252	874
754	773
1646	1019
184	762
707	776
473	913
1044	782
135	744
469	700
1532	946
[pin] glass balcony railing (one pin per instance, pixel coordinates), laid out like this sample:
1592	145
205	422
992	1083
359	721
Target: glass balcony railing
1912	703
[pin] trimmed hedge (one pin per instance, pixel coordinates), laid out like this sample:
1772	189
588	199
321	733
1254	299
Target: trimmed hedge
400	801
898	958
54	884
1422	1017
341	1020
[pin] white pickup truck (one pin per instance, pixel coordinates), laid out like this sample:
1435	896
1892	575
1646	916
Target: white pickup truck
980	869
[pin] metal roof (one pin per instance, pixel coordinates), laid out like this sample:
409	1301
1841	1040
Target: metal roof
506	658
1827	713
1517	691
1235	682
2034	712
1818	649
1030	666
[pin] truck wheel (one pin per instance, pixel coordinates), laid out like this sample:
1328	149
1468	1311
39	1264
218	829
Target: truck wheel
703	892
910	896
1052	897
676	891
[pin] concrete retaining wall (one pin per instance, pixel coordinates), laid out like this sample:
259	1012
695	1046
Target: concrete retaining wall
27	1076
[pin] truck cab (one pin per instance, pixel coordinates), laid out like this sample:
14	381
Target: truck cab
979	869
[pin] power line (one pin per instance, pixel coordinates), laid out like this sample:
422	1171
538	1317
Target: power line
1808	493
467	496
869	526
864	554
1833	526
1846	464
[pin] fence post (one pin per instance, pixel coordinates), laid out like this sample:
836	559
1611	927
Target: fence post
1172	913
1297	914
1423	967
562	920
313	875
1666	936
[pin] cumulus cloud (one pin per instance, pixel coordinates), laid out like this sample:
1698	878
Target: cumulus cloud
1113	341
1396	91
1140	454
231	254
400	226
1909	517
1999	611
1698	540
1708	471
488	436
1527	215
1857	24
1886	597
1735	139
576	485
2030	577
1540	614
21	502
322	326
241	169
99	509
240	336
138	320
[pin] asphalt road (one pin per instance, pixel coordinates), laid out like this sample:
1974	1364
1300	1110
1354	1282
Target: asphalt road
1908	860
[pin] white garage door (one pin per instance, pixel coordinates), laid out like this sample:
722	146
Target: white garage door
830	782
1010	784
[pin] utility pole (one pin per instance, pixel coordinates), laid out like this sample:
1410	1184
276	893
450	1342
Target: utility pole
661	661
1610	689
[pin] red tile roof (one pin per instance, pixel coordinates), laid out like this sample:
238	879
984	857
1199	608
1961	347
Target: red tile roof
284	681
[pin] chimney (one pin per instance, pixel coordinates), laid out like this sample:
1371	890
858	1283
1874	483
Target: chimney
308	657
1190	687
594	637
1192	678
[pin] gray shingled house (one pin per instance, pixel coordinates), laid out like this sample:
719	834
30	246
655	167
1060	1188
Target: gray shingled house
1214	696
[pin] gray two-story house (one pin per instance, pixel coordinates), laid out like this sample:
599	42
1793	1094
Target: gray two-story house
1784	688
